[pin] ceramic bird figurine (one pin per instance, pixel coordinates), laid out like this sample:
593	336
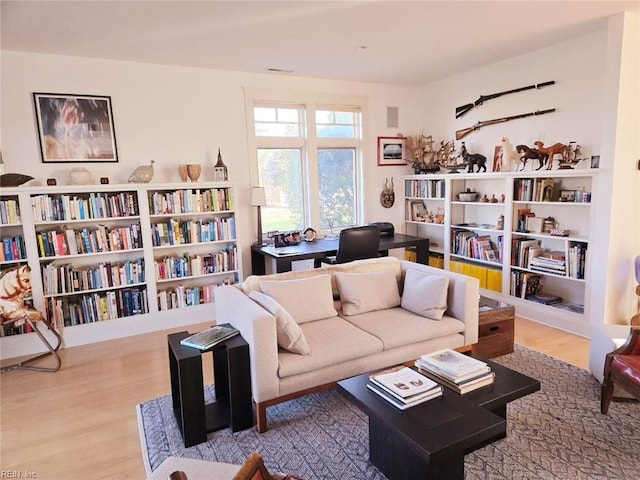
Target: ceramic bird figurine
142	174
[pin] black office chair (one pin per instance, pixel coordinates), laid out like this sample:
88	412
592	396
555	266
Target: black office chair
356	243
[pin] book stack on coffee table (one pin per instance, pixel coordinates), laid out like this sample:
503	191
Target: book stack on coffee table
403	387
461	373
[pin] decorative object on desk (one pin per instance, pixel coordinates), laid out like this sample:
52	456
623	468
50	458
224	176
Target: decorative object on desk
259	199
550	152
468	196
387	197
220	173
80	176
13	179
15	286
292	238
51	182
193	171
460	111
392	151
75	128
208	338
183	172
460	134
471	159
142	174
104	180
309	235
529	153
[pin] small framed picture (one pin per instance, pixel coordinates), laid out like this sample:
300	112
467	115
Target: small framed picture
75	128
567	195
595	161
392	151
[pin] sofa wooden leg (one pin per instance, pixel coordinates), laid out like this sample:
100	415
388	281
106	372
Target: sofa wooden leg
261	420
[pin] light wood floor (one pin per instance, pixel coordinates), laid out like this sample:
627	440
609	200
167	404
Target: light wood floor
80	423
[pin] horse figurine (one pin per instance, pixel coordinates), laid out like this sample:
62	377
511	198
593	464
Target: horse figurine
555	149
529	153
15	286
472	159
510	156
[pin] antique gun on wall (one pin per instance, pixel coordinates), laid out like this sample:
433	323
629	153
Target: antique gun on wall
460	134
460	111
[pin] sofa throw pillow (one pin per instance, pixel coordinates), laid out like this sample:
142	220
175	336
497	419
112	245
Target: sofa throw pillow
425	294
367	292
306	299
289	334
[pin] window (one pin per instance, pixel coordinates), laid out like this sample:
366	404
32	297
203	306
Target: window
308	158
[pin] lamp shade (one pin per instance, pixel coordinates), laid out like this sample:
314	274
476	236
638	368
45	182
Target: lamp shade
258	197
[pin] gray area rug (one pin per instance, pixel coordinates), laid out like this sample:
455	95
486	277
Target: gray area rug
555	433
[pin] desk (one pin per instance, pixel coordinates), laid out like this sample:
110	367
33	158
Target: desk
283	256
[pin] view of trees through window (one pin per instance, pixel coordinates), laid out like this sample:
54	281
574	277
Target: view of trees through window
309	169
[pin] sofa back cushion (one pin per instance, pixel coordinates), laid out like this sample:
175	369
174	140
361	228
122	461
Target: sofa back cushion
425	294
306	299
289	334
367	292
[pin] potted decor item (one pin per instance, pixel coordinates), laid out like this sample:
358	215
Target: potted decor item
468	196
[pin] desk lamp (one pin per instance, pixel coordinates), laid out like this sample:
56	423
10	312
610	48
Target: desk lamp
258	199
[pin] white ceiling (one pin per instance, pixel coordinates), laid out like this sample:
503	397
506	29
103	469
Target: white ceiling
408	42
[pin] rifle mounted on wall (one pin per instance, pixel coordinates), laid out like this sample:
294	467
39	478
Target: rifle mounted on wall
460	111
460	134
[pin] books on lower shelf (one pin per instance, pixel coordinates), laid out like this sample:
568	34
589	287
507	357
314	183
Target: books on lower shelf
455	370
210	337
403	387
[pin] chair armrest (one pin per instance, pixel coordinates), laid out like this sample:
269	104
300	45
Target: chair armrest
258	328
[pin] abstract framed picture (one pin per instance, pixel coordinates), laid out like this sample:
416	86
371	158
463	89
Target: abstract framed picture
392	151
75	128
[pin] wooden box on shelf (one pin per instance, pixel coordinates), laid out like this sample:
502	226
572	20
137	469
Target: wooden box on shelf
496	328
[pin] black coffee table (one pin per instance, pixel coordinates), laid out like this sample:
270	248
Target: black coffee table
430	440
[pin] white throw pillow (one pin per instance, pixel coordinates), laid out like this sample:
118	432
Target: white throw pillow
306	299
367	292
290	335
425	294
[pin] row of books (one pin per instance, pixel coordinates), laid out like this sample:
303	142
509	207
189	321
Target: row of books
181	297
525	284
469	244
13	248
94	206
535	190
175	232
193	265
96	307
9	212
191	201
424	188
78	242
60	279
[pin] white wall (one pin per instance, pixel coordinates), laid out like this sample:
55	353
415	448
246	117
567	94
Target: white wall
176	115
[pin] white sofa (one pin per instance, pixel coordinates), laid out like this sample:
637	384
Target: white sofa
341	345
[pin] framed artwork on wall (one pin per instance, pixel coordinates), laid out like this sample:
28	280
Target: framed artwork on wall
392	151
75	128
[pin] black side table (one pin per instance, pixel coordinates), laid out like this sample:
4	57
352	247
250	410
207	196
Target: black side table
232	381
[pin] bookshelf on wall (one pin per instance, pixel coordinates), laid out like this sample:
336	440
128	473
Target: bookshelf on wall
110	261
526	238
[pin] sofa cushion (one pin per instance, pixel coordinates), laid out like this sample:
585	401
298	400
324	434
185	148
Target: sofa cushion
366	292
397	327
425	294
306	299
289	334
332	341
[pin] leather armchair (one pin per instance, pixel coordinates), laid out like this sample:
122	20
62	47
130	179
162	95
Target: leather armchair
622	368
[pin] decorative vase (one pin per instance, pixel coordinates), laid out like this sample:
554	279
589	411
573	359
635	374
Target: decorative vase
79	176
194	170
182	171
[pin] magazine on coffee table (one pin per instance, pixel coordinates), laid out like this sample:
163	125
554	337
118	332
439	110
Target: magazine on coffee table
403	381
208	338
455	364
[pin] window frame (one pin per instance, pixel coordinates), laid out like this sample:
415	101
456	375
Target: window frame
309	144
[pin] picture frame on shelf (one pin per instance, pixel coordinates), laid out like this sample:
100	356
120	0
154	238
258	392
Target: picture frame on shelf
392	151
567	196
75	128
